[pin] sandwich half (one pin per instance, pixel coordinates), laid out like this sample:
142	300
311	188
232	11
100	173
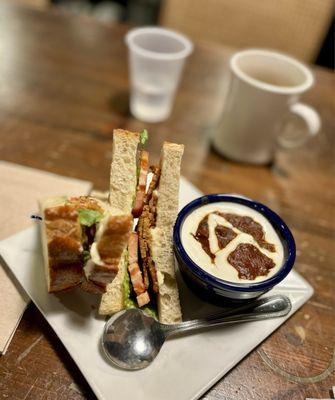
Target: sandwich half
71	227
146	276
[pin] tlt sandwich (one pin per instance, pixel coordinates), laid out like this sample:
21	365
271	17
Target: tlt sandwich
73	229
146	276
122	248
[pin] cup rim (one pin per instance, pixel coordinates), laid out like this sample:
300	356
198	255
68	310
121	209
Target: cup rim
309	78
280	226
178	55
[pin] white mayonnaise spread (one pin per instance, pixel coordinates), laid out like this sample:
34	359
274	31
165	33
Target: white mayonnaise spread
220	267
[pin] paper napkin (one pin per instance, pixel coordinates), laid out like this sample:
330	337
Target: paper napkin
20	188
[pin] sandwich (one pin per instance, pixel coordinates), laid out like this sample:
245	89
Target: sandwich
120	247
146	276
73	229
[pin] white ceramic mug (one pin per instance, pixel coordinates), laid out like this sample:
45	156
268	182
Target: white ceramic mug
261	107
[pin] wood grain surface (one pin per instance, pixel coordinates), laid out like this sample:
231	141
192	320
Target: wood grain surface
63	87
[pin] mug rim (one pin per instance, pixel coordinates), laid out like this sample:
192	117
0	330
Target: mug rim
171	34
309	78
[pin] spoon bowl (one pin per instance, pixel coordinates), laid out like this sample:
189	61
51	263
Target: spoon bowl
132	339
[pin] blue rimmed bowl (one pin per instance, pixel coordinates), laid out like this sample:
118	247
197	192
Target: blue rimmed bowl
218	290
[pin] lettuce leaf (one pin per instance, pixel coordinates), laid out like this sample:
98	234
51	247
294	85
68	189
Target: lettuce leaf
89	217
144	137
150	311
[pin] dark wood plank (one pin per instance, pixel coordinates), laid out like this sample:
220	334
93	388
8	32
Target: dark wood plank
63	85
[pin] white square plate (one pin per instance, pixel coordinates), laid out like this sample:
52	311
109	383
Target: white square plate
186	366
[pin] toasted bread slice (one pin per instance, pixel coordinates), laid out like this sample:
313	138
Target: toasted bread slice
62	247
110	241
123	181
161	245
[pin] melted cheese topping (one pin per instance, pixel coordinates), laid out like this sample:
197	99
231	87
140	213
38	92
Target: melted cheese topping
221	268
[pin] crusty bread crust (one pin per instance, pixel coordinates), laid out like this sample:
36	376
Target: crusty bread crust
161	244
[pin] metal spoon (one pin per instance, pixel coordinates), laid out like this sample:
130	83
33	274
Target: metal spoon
132	339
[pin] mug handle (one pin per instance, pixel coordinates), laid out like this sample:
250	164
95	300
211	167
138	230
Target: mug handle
304	122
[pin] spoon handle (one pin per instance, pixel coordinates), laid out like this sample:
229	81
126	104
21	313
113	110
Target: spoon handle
269	307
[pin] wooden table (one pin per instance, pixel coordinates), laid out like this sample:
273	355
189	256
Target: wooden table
63	85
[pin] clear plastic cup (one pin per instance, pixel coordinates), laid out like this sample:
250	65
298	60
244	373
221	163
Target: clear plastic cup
156	60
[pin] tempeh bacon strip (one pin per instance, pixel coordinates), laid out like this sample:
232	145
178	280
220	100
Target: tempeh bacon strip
143	299
142	183
145	222
143	251
135	272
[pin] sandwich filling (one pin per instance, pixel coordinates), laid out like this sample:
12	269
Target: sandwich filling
140	283
90	213
104	237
